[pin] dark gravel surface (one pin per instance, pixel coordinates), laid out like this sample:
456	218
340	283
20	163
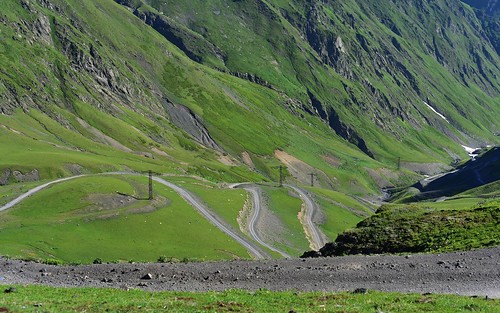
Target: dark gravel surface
466	273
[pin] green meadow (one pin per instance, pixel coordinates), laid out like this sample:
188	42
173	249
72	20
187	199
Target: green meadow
84	219
50	299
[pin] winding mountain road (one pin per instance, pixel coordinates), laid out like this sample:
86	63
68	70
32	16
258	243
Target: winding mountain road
186	195
255	192
311	229
315	234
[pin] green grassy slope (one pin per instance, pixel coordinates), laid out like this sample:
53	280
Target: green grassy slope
377	82
87	87
426	227
84	219
290	232
140	71
97	300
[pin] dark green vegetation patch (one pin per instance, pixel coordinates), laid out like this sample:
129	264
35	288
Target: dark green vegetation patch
415	228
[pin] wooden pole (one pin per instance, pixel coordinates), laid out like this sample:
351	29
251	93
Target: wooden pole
281	176
150	185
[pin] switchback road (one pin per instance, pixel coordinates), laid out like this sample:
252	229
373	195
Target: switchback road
255	192
200	207
314	233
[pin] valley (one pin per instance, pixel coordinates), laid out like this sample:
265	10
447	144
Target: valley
273	129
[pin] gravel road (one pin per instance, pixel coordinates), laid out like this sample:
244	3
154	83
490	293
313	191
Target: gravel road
33	191
316	236
255	192
465	273
252	248
205	211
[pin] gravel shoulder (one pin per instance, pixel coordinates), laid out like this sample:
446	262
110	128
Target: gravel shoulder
465	273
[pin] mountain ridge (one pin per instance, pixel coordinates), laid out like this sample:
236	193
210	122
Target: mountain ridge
344	73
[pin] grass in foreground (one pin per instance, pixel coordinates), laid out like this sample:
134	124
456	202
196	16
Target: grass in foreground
50	299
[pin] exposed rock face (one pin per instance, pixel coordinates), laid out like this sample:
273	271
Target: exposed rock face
187	120
42	29
194	46
4	179
340	128
18	176
28	177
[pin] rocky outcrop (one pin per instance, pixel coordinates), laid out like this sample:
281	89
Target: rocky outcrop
333	120
4	178
329	46
19	177
188	121
191	43
347	132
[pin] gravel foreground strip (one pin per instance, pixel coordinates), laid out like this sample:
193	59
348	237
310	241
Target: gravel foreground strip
463	273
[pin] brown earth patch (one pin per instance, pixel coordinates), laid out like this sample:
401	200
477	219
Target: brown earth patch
247	160
226	159
332	161
297	168
157	203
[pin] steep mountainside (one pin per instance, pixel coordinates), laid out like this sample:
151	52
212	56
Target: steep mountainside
488	12
355	65
491	7
215	88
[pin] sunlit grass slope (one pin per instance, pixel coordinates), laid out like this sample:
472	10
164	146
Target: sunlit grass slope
85	219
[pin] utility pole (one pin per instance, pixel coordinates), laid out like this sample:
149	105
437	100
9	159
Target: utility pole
312	179
150	185
281	176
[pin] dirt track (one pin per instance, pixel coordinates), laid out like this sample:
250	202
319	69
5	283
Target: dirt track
465	273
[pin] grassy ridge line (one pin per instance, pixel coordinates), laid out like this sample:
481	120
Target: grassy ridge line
32	298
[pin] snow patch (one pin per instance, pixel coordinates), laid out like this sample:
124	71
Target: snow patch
471	151
468	149
439	114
